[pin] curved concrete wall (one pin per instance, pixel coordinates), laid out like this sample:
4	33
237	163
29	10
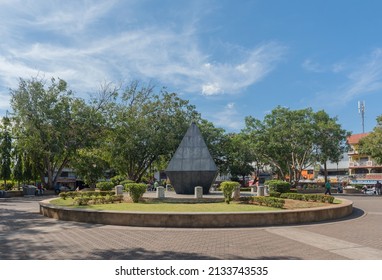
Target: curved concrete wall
199	220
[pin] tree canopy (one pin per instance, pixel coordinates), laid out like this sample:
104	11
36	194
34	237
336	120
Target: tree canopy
144	126
132	130
292	140
372	143
51	125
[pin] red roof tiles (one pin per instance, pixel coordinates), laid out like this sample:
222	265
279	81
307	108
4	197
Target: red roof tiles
354	139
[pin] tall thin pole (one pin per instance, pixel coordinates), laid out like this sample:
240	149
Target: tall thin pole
361	110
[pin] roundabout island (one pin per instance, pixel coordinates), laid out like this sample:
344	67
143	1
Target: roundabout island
327	212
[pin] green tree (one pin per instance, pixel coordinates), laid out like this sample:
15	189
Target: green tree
284	140
329	139
239	156
217	142
90	165
6	150
372	144
18	175
144	127
292	140
51	125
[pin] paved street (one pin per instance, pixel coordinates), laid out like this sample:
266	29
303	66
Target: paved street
25	234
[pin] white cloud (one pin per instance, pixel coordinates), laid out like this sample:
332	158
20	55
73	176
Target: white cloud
316	67
312	66
67	44
64	17
255	64
230	105
364	76
337	67
228	117
367	78
4	101
211	89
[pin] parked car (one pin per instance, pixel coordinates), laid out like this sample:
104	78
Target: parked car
59	188
369	191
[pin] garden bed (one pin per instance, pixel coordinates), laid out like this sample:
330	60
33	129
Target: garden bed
213	219
188	205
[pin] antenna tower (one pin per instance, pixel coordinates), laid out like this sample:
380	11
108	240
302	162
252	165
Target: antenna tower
361	110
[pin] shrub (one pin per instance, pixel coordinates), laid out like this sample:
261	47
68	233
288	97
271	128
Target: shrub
100	199
63	195
93	199
105	186
73	194
124	182
109	199
89	195
278	186
274	194
8	186
136	190
228	188
118	198
85	194
117	180
308	197
294	196
81	200
269	201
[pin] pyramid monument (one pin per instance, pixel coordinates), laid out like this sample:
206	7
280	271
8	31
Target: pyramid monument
192	164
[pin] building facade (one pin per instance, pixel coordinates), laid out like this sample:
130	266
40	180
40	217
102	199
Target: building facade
362	168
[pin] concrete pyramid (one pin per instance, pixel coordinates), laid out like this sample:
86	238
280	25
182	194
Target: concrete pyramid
192	164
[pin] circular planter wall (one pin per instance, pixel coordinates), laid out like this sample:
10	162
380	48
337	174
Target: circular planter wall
198	220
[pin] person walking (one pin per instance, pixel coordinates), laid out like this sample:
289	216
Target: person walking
378	186
327	188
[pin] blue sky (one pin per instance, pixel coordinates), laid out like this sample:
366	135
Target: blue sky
230	58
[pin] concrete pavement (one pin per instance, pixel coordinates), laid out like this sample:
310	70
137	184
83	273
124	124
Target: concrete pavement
25	234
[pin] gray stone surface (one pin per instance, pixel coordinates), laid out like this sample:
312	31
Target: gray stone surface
118	189
236	193
198	192
192	164
260	191
27	235
160	192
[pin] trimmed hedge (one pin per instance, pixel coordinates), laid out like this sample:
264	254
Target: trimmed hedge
228	187
85	200
268	201
124	182
309	197
136	190
73	195
118	179
278	186
105	186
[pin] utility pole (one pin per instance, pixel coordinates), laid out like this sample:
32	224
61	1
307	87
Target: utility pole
361	110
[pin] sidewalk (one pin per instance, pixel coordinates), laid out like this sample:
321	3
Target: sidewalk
25	234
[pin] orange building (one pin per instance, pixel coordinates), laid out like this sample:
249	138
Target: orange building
362	166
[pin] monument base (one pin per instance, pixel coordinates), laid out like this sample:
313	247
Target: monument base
184	182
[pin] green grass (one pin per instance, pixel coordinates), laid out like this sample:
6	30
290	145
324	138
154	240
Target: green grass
169	207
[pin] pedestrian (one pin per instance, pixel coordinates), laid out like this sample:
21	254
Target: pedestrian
156	185
378	186
327	188
39	190
364	189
